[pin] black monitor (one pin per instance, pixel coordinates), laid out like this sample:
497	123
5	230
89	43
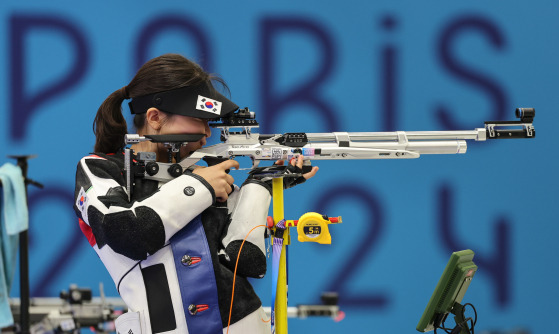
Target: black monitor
448	295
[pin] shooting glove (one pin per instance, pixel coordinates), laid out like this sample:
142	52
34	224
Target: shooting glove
292	175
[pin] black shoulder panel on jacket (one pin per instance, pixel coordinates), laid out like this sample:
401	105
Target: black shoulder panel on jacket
82	180
252	262
116	196
95	218
134	236
105	169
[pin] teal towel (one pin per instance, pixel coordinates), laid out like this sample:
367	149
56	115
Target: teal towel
14	219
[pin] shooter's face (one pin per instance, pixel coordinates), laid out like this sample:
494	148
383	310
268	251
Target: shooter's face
178	124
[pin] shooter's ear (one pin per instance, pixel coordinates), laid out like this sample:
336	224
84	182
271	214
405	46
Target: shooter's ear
155	118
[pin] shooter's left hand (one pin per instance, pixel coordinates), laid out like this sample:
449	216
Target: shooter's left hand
298	163
296	167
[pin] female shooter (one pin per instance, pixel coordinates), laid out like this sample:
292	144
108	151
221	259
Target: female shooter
171	249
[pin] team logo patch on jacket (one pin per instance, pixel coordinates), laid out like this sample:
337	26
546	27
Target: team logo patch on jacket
81	201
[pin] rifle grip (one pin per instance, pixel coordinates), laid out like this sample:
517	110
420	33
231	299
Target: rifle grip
212	161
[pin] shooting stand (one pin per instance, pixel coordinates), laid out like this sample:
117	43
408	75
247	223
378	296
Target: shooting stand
310	227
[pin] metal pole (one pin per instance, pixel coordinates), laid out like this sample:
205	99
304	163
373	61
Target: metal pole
24	319
24	260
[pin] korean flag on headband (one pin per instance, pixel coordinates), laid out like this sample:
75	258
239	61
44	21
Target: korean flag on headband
209	105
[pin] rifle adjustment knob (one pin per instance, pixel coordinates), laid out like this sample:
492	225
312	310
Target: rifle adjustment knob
175	170
152	168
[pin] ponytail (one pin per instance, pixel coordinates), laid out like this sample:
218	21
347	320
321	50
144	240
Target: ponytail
109	125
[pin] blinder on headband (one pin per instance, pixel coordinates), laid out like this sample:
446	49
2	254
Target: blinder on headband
198	101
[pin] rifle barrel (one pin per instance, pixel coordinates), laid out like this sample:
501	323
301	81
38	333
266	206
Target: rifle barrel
477	134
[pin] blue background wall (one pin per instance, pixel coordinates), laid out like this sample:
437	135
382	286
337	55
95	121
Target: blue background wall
319	66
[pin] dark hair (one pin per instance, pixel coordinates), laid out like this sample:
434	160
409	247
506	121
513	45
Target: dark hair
166	72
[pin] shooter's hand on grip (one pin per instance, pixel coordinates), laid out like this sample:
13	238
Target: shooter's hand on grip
296	166
217	177
295	173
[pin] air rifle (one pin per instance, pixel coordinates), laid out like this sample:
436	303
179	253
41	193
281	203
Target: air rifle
312	146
